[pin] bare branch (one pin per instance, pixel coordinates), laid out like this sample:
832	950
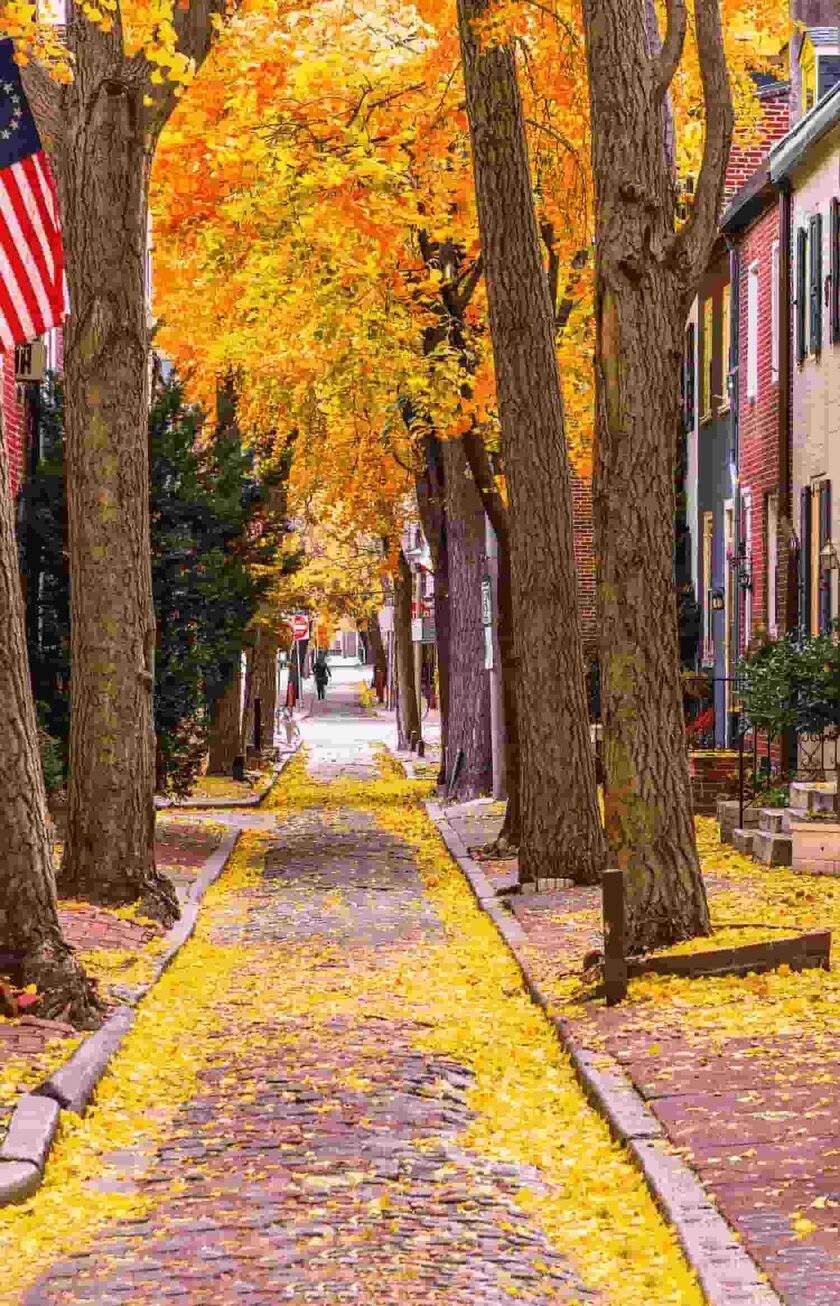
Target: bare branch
692	243
464	287
672	47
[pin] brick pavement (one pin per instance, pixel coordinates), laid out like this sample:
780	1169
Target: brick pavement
757	1118
321	1159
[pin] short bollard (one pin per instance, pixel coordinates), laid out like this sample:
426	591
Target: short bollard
615	962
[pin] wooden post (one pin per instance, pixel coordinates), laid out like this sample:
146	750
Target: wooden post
615	962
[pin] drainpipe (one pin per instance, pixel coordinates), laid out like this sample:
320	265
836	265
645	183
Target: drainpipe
785	490
733	390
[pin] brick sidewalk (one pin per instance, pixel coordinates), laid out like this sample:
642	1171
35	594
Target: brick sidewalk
756	1117
321	1159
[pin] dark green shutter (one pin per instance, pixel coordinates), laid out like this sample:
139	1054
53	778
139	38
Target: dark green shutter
805	562
835	271
815	283
825	573
801	293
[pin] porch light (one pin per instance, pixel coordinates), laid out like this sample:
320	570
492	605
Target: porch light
718	601
829	561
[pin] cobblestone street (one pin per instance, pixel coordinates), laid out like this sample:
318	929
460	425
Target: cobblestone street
323	1158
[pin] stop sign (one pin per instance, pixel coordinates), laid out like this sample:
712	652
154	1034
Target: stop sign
300	626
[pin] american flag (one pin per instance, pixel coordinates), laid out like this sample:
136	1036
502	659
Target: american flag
32	284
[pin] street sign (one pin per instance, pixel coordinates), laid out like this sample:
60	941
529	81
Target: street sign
488	648
417	630
486	601
300	626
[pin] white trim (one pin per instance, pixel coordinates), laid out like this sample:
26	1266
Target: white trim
752	330
774	313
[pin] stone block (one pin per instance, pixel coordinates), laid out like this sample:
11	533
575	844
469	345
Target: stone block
18	1180
742	841
31	1131
772	849
815	845
770	820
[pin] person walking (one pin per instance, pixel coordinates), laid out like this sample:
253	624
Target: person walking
322	675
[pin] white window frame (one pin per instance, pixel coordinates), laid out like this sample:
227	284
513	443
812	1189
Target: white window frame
752	330
774	313
772	596
746	509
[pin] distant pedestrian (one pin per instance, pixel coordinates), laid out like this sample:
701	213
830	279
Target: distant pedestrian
322	675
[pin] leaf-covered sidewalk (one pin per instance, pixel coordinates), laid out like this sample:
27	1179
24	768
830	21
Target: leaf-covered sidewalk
742	1073
339	1091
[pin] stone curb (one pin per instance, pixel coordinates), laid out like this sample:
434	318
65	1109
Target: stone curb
727	1273
225	804
34	1121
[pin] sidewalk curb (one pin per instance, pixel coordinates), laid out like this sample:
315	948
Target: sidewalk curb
34	1121
727	1273
225	804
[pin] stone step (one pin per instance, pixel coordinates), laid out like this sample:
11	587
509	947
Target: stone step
770	819
806	793
729	816
743	840
772	849
816	845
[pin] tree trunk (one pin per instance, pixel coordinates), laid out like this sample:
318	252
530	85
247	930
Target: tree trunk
430	489
561	830
408	718
263	687
32	948
494	506
109	855
469	701
225	726
246	721
380	657
646	277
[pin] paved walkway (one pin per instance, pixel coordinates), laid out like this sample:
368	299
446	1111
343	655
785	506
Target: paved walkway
321	1159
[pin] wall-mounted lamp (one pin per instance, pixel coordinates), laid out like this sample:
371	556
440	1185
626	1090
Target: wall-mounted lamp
829	560
718	600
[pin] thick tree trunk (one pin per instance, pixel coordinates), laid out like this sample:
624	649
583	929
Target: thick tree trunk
109	855
262	665
646	276
246	722
561	830
31	944
496	510
430	487
225	726
408	718
469	700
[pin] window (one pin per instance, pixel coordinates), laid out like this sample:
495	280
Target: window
828	74
815	286
801	283
774	313
808	73
688	374
823	506
708	328
772	564
725	345
752	332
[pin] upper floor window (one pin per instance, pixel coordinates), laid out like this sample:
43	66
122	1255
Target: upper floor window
725	345
708	356
752	332
819	65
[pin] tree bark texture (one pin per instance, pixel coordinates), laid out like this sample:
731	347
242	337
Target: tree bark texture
377	648
561	830
430	487
226	715
263	669
469	699
100	134
646	277
31	944
408	718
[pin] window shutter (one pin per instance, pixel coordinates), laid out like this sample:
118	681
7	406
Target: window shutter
801	283
805	562
815	286
835	271
825	574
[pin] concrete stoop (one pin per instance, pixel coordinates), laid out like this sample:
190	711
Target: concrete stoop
742	840
772	849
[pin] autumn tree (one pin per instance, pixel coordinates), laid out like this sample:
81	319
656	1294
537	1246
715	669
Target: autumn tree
100	132
648	271
561	828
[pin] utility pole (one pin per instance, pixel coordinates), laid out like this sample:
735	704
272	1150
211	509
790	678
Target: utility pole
493	662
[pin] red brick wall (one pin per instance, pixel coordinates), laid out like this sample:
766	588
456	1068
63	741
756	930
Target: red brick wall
13	423
748	154
585	560
759	418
